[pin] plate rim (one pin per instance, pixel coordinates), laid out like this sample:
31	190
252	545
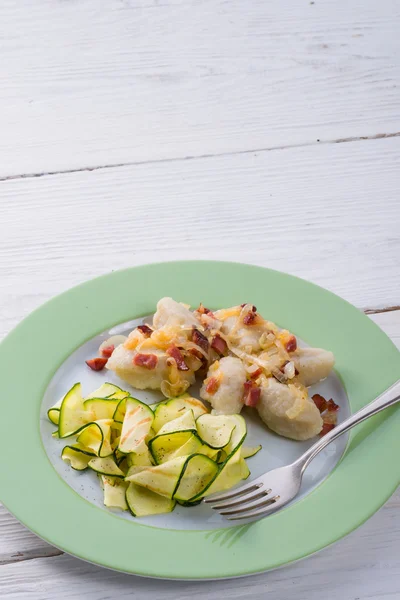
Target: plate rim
180	273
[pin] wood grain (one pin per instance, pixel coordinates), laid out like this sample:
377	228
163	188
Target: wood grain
97	83
331	217
364	565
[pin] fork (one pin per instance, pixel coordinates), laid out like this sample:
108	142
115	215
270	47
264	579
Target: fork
274	489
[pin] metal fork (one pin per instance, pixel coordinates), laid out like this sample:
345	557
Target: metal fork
274	489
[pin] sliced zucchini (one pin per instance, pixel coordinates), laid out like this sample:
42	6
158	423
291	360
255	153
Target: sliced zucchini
120	410
249	451
106	466
161	479
142	502
136	426
215	430
114	492
100	408
77	456
142	459
96	436
232	471
120	395
165	446
213	453
73	416
185	422
171	409
192	446
199	471
104	391
238	434
54	412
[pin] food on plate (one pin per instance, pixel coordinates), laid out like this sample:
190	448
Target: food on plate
223	387
242	358
150	458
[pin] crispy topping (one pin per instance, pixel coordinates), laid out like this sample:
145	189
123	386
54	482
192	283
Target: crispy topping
326	427
177	355
219	344
145	329
332	406
212	385
108	350
256	373
148	361
291	344
200	339
202	310
96	364
320	402
251	394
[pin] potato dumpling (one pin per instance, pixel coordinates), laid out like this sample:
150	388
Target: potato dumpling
224	385
287	410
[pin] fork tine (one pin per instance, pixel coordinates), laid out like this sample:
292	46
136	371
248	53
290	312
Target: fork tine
264	509
253	486
254	495
249	506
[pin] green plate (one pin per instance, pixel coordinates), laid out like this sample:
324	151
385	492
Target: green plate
31	489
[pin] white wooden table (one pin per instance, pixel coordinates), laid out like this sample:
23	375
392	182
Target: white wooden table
142	130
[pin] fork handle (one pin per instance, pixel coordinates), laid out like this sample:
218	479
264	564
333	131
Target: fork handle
388	398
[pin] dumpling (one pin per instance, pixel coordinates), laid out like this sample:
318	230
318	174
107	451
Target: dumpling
288	410
223	387
141	377
172	314
313	364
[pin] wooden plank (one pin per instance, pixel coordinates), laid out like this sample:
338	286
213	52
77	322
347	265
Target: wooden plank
313	214
17	544
362	566
92	83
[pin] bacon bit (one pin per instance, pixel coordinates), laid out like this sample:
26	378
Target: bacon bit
251	316
145	329
254	308
332	406
291	344
252	394
96	364
212	385
108	350
320	402
147	361
202	310
219	344
200	339
326	427
256	373
177	355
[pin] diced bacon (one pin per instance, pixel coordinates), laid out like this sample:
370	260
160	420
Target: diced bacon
108	350
256	373
212	385
326	427
251	316
254	308
291	344
319	402
253	397
252	393
97	364
145	329
177	355
202	310
200	339
147	361
332	406
219	344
